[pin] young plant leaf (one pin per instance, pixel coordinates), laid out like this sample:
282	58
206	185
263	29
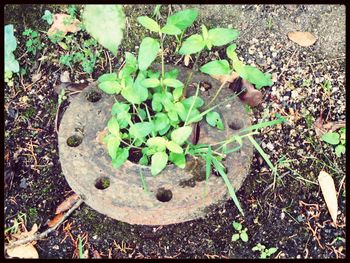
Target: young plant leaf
188	102
191	45
237	225
11	64
178	159
130	65
151	83
217	67
149	48
222	36
244	236
177	93
161	121
213	119
106	24
141	130
339	150
158	162
158	143
183	19
110	87
173	83
170	29
148	23
230	51
121	156
180	135
113	126
108	77
235	237
113	145
174	147
331	138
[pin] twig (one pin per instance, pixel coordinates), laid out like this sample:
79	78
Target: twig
285	68
46	232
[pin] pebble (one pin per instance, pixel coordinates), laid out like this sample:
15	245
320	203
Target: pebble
55	247
295	94
251	50
274	54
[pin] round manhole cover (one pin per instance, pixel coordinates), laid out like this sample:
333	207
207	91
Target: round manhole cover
173	196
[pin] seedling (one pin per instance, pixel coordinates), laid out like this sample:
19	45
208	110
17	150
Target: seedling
33	43
48	17
337	139
327	87
264	252
242	233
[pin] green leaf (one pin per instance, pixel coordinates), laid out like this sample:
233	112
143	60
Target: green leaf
213	119
236	225
148	52
235	237
121	156
191	45
170	29
132	93
183	19
157	102
272	250
174	147
172	114
151	83
178	159
48	17
159	143
139	88
339	150
141	129
106	24
113	126
120	107
11	64
331	138
148	23
158	162
110	87
244	236
143	160
130	65
217	67
112	145
222	36
161	121
255	76
173	83
171	74
188	102
263	255
177	93
180	135
230	51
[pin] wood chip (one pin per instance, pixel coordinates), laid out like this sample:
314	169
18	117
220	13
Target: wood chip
67	204
329	193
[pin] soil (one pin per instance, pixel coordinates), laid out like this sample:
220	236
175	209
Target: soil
290	215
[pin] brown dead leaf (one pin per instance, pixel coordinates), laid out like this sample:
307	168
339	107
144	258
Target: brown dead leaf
67	204
195	133
322	128
304	39
23	251
226	78
187	60
101	135
36	77
21	234
60	25
329	193
55	220
252	96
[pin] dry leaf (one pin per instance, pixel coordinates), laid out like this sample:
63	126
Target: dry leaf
55	220
329	193
322	128
60	25
101	135
23	251
95	254
36	77
187	60
67	204
304	39
226	78
64	77
195	133
252	96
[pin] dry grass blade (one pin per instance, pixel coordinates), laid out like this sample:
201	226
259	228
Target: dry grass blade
329	193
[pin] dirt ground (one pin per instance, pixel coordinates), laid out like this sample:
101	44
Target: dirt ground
291	217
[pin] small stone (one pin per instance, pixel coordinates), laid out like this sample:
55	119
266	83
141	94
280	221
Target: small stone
270	146
295	94
274	54
268	60
55	247
23	183
251	50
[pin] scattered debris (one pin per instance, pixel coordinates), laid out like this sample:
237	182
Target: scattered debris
67	204
322	128
54	221
63	24
23	251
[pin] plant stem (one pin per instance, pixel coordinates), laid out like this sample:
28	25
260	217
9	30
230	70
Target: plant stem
217	93
162	48
191	74
194	100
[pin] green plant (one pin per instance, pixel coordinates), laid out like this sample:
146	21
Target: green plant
152	114
264	252
21	219
48	17
11	64
242	233
33	43
336	138
327	86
